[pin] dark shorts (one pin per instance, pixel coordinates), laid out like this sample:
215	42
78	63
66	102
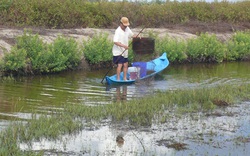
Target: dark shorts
119	60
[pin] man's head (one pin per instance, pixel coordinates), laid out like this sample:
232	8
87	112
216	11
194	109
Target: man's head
124	21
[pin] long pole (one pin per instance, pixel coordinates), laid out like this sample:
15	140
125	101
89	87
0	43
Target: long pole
121	55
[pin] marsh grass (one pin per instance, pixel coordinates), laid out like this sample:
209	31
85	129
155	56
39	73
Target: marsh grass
139	112
103	14
49	127
143	110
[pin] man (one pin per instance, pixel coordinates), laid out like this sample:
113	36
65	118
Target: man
120	48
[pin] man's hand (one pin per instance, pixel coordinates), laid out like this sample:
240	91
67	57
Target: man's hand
137	36
125	47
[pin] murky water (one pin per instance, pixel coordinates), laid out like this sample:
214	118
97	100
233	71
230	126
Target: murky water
41	93
23	96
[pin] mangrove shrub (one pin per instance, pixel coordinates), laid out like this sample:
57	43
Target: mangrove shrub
205	48
31	56
238	47
174	48
98	49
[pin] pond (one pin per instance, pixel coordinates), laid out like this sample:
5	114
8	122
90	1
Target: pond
20	97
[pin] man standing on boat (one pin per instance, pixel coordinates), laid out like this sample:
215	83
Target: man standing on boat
120	48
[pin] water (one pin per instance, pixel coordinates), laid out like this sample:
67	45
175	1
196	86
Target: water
24	95
21	97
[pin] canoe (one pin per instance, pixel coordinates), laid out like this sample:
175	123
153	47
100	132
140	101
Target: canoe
145	70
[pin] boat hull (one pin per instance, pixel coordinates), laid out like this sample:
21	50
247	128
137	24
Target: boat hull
155	66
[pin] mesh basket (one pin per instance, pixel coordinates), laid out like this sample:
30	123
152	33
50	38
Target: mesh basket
143	45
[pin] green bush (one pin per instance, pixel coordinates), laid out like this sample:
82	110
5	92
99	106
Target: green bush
238	47
63	54
31	43
98	49
174	48
32	56
5	4
205	48
15	60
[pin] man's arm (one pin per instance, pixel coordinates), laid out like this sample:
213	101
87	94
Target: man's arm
121	45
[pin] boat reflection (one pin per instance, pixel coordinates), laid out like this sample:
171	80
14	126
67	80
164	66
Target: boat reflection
122	93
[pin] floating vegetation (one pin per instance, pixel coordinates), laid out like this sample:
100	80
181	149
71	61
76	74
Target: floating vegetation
172	144
242	139
221	103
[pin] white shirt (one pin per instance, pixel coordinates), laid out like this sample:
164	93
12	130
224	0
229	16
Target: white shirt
122	37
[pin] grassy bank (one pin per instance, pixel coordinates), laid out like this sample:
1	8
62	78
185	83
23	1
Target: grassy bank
103	14
139	112
31	56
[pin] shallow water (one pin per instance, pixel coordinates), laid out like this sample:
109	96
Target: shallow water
23	96
213	135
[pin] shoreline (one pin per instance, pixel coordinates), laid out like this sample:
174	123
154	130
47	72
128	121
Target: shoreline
8	35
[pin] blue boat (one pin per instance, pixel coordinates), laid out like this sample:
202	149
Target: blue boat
146	70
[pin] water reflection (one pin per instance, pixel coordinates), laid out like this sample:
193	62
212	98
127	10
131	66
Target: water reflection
121	93
22	96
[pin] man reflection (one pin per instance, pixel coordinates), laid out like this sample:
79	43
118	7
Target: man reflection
121	93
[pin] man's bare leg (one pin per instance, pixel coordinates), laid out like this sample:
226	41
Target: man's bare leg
118	71
125	70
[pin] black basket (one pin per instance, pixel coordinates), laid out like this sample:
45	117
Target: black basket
143	45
